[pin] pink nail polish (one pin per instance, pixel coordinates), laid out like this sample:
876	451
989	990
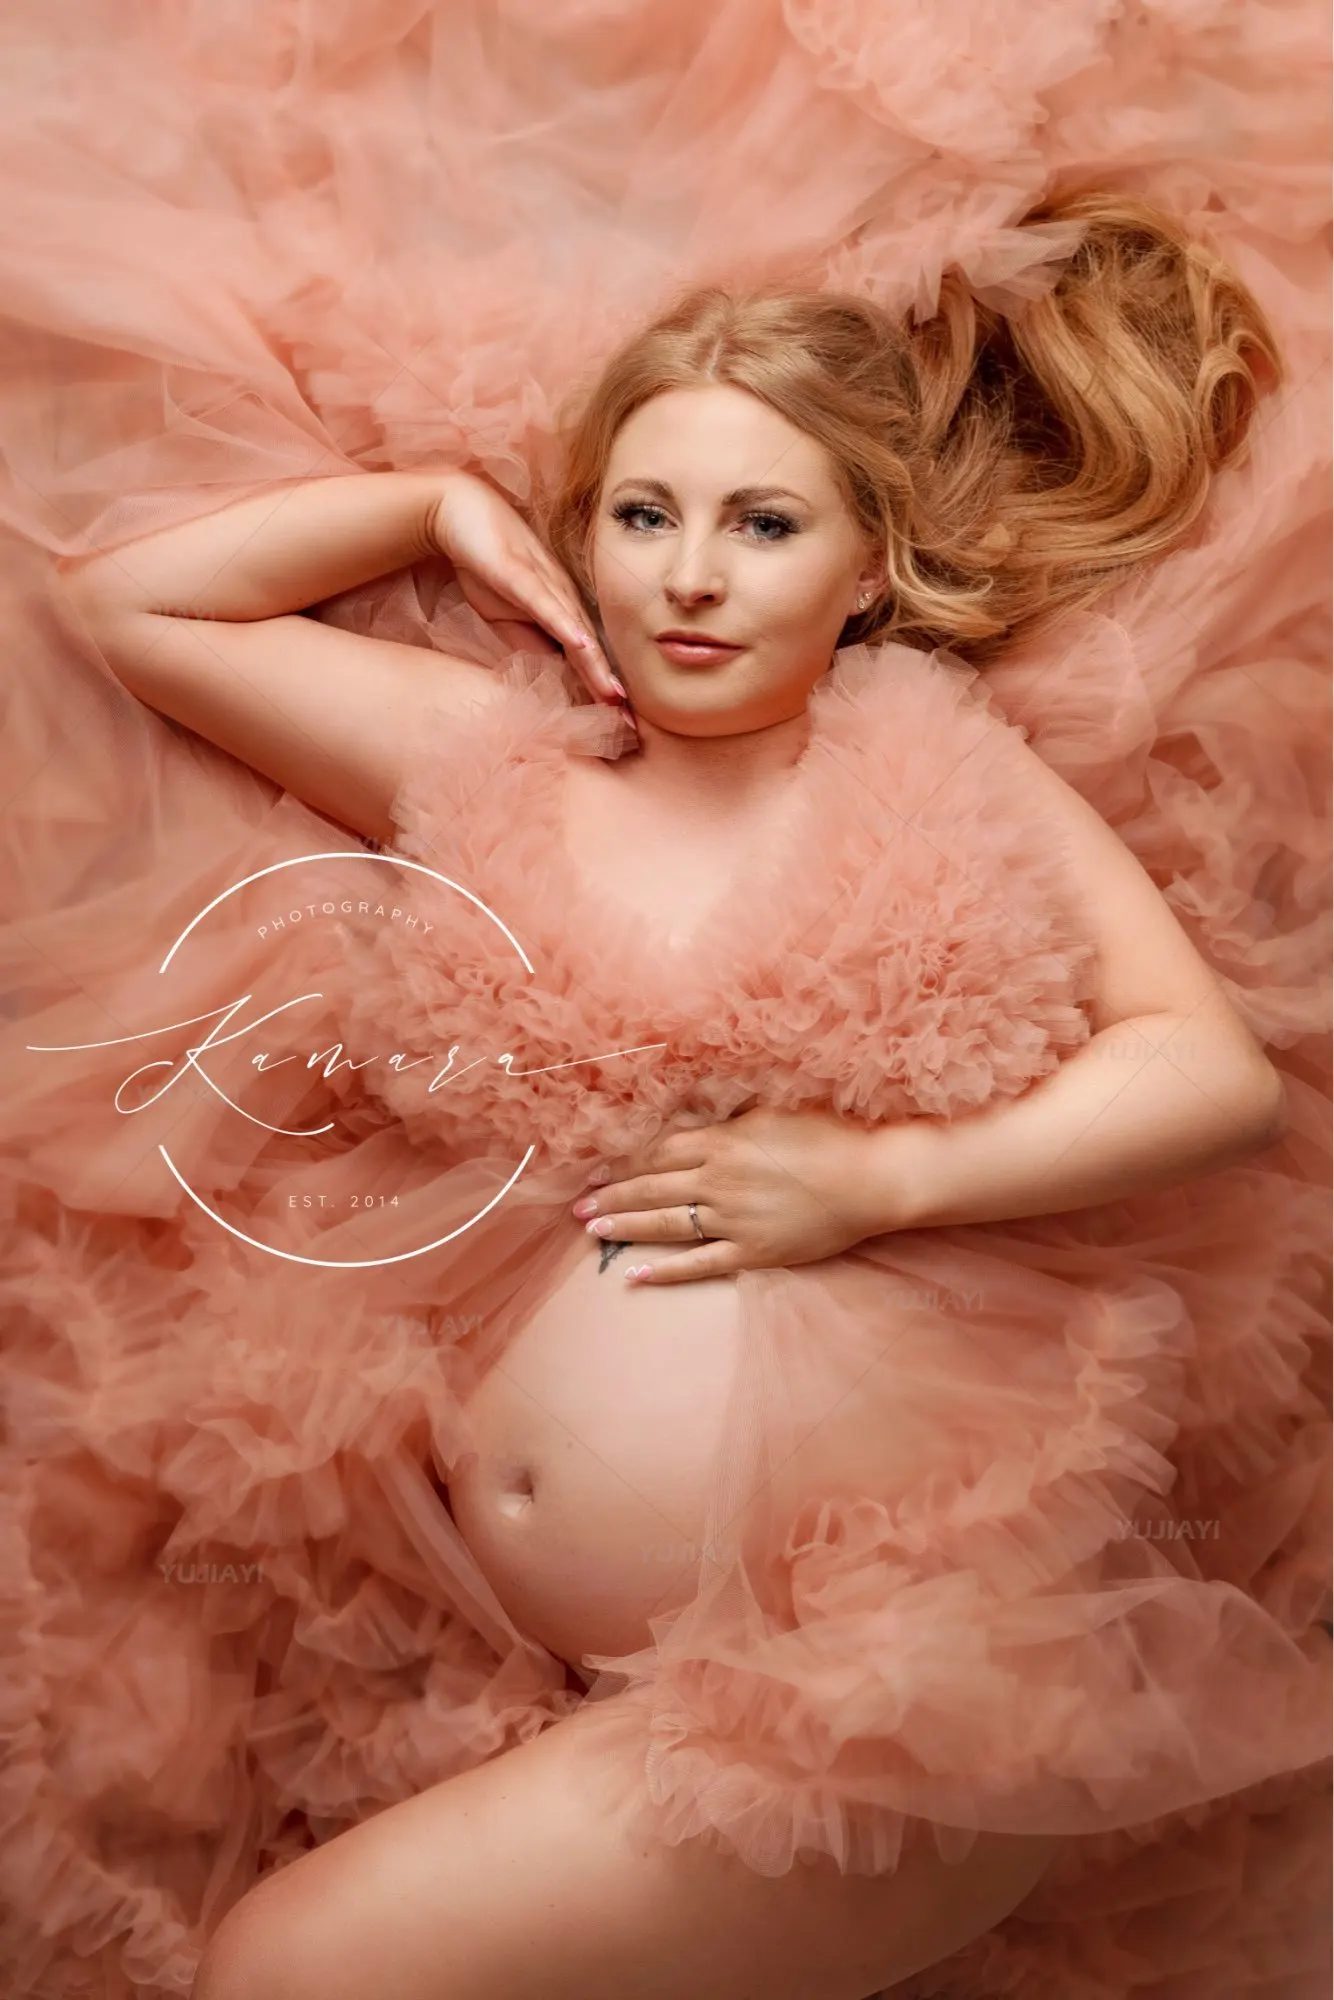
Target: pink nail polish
583	1209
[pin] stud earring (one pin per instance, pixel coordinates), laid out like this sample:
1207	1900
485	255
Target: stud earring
863	600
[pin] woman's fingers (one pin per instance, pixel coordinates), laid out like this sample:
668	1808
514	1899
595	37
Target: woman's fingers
647	1191
562	616
652	1225
587	657
487	539
711	1260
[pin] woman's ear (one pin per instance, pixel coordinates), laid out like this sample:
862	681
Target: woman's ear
873	578
869	586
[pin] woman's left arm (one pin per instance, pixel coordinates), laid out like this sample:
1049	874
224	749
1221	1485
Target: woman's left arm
1170	1085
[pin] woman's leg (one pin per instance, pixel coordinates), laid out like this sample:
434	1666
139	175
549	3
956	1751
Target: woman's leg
512	1879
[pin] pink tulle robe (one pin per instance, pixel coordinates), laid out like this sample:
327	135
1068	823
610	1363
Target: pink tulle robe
250	245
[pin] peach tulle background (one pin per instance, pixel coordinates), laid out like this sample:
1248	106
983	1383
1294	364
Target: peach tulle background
251	241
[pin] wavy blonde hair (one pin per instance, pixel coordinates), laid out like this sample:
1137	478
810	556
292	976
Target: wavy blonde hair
1005	467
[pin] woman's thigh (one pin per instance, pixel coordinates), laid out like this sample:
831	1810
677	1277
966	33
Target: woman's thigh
517	1878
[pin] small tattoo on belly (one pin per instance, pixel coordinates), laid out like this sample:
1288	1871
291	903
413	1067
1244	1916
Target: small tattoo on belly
609	1250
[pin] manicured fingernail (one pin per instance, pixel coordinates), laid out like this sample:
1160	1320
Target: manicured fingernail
583	1209
602	1227
599	1177
637	1273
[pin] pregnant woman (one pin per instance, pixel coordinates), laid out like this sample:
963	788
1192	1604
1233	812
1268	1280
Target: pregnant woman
863	1524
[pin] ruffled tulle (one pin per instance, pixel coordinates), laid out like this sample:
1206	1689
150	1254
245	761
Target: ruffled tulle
879	1001
252	244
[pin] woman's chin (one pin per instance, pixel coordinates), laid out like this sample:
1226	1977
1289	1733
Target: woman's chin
704	721
705	702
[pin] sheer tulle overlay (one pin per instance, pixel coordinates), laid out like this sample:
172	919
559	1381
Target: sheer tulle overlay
246	245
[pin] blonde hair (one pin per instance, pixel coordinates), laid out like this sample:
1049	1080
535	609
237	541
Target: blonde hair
1004	467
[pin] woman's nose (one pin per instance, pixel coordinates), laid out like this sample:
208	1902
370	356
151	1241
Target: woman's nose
694	563
693	579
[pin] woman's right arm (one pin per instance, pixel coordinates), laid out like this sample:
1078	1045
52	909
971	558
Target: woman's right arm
201	621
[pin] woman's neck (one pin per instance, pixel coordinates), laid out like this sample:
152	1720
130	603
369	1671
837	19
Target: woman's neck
720	776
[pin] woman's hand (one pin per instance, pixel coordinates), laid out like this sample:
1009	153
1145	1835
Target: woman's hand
512	581
770	1188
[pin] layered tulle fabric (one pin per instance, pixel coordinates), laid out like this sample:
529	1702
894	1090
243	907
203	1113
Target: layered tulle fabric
249	244
858	962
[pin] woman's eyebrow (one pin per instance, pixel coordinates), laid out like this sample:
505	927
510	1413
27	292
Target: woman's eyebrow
738	497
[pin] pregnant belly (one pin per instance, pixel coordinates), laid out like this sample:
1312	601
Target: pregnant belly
597	1443
596	1439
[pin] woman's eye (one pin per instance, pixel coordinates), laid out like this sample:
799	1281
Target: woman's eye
629	512
629	508
779	521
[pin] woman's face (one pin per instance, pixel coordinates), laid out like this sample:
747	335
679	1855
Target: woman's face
718	517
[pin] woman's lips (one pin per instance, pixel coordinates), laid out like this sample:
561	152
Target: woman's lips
696	653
